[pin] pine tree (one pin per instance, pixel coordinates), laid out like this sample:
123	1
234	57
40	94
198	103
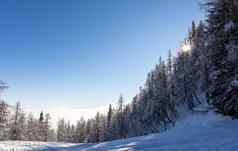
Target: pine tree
88	130
126	114
120	118
109	130
4	115
61	130
80	131
171	87
109	116
135	118
40	126
47	128
222	30
31	129
15	129
22	127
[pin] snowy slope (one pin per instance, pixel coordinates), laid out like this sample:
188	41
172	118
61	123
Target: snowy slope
198	132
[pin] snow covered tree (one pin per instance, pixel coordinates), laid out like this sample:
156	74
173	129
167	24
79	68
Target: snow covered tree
94	129
41	127
88	130
110	122
4	124
80	132
61	130
22	126
32	128
121	118
135	119
4	115
109	116
15	128
97	127
126	114
47	128
171	88
18	125
222	32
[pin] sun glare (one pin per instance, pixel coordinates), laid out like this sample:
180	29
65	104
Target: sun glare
186	47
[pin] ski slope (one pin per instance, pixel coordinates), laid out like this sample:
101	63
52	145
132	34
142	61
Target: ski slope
197	132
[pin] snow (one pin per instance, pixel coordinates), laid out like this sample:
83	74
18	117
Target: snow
199	109
234	83
34	146
203	107
230	25
196	132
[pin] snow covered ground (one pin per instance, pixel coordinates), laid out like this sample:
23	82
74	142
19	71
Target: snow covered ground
198	132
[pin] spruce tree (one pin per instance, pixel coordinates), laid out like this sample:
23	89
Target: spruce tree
222	30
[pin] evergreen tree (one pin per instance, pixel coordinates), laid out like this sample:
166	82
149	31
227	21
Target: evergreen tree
32	127
41	127
109	116
61	130
80	131
47	128
120	117
97	127
222	31
15	127
4	115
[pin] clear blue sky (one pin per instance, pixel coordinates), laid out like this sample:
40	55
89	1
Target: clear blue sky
84	53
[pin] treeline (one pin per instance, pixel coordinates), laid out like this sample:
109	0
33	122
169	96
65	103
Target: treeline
16	125
204	71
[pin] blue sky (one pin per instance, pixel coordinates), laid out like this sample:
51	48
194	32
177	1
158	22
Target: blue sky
84	53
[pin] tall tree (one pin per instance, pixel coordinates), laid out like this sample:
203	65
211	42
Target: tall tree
4	115
222	32
15	128
41	127
80	131
120	118
32	128
47	128
109	116
61	130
